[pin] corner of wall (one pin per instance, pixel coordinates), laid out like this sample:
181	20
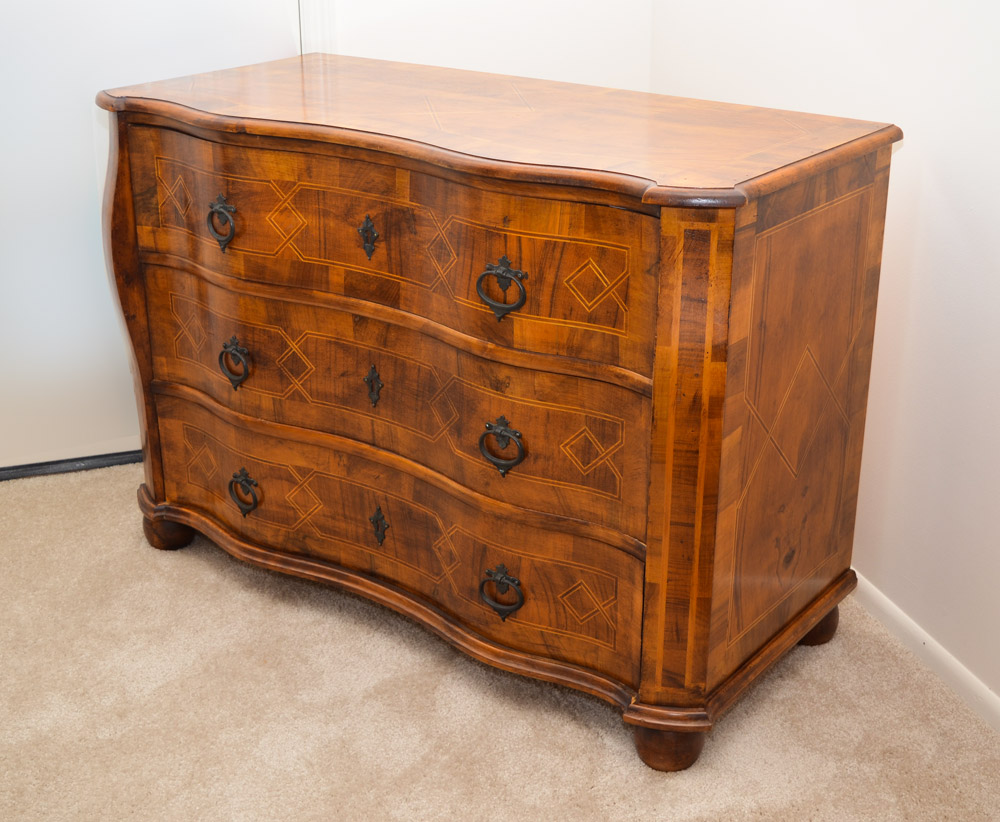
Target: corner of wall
973	691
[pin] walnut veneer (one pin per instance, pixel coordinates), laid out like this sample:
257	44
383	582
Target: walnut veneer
574	377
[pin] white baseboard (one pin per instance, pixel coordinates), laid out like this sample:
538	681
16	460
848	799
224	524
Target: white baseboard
935	656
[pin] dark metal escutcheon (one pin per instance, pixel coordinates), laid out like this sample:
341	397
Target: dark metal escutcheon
240	356
505	276
379	524
368	235
503	582
375	385
224	212
246	485
505	435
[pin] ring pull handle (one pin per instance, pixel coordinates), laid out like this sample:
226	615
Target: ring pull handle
368	235
505	275
505	435
232	350
246	484
222	211
502	582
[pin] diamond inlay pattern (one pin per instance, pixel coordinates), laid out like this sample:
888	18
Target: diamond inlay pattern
179	195
582	603
586	452
592	287
295	364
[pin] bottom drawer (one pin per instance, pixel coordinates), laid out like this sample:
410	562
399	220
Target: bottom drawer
579	600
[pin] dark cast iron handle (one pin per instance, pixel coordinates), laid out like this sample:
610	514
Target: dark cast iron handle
375	385
224	212
379	524
502	581
505	435
239	355
505	276
246	484
368	235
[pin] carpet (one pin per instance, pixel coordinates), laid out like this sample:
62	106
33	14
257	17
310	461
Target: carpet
140	684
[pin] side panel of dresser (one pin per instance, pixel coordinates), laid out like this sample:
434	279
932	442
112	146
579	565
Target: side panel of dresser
752	511
805	285
125	272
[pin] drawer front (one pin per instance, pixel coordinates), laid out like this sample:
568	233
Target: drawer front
584	443
440	249
581	598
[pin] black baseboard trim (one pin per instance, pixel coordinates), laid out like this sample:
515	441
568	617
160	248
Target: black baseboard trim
36	469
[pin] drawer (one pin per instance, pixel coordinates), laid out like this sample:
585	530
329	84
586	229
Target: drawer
582	599
583	443
443	249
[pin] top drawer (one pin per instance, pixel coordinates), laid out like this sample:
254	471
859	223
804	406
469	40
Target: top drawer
588	289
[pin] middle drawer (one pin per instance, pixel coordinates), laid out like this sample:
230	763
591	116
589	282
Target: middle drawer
550	442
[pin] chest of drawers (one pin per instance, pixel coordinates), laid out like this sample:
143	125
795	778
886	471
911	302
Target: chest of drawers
574	377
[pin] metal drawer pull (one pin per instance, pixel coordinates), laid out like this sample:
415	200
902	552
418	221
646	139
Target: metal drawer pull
240	356
505	435
368	235
224	212
379	524
246	484
503	582
375	385
505	276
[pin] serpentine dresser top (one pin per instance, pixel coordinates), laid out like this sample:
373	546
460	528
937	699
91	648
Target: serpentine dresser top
574	377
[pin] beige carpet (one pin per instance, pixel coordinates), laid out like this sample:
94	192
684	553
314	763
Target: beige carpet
147	685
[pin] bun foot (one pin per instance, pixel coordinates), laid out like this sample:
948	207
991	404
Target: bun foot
668	750
167	535
824	630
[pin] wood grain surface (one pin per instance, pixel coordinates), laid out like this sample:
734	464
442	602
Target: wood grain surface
588	268
581	598
688	368
507	126
805	284
586	452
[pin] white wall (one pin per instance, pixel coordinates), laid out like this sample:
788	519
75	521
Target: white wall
65	389
927	533
599	43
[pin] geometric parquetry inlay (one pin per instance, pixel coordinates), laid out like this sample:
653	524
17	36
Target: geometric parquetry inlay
582	604
179	195
585	452
295	365
202	465
589	605
802	337
287	221
302	498
441	253
190	332
293	219
591	287
448	557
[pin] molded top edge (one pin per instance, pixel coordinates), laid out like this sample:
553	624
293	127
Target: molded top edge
663	150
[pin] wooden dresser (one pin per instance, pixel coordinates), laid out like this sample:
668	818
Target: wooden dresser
574	377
